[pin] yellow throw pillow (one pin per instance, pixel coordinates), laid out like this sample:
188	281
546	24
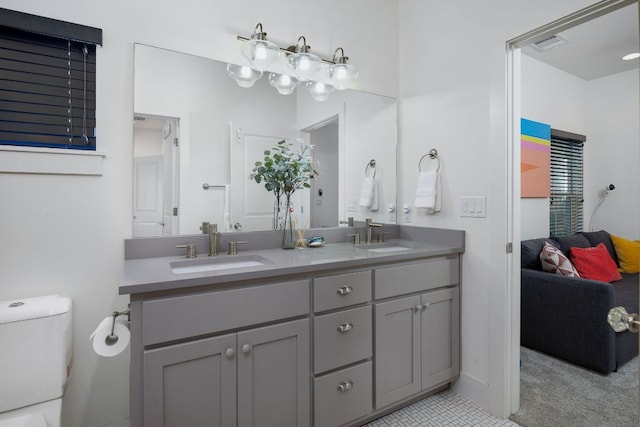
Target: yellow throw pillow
628	253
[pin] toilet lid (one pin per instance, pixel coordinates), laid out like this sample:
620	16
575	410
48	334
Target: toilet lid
30	420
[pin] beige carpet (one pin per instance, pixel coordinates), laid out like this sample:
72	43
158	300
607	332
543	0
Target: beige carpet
557	393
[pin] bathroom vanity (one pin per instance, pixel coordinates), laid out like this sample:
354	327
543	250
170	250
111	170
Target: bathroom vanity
329	336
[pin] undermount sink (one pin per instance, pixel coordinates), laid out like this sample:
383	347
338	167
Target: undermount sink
385	249
201	265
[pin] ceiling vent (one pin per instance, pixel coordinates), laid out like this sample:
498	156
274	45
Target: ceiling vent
550	42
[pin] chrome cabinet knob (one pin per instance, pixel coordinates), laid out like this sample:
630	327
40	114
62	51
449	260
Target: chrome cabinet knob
345	327
246	349
344	290
230	353
418	308
345	386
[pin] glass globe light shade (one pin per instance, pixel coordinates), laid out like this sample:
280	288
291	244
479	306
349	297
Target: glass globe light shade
318	90
243	75
260	53
304	65
283	83
342	75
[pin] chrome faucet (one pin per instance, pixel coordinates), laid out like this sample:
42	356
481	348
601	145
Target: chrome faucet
370	225
213	239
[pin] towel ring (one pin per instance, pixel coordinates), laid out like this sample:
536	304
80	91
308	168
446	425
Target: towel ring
433	155
372	165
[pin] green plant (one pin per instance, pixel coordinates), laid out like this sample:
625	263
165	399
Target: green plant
284	170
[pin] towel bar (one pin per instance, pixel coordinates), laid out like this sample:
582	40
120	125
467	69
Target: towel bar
433	155
372	165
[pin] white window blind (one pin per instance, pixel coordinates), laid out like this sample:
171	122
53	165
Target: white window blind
566	204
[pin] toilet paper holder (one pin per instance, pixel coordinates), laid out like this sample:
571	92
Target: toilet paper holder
112	338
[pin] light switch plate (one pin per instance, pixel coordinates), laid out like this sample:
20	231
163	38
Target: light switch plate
473	206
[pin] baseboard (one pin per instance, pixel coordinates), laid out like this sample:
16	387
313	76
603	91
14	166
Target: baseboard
472	389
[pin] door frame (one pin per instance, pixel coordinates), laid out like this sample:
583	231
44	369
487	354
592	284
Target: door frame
513	87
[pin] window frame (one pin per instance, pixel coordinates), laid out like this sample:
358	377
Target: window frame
566	172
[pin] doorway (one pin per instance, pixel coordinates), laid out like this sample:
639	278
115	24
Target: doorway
515	205
155	176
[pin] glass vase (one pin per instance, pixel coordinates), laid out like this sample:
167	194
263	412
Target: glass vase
288	232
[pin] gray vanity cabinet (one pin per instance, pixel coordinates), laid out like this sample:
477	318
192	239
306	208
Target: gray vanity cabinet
417	335
191	384
264	371
343	348
273	376
233	357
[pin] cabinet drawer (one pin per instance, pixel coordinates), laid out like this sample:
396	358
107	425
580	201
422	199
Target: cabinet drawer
199	314
342	338
341	290
343	396
416	277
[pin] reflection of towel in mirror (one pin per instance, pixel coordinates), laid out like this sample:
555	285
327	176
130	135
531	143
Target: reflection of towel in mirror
428	192
367	192
374	198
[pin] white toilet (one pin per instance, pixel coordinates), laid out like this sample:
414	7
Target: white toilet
35	358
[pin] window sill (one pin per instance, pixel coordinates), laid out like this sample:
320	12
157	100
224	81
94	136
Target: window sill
50	161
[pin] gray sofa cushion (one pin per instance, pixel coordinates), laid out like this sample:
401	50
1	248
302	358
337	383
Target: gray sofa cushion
567	242
530	253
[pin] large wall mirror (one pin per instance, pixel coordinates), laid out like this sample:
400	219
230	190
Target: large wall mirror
197	136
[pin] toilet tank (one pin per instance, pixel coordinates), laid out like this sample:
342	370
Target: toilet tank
35	350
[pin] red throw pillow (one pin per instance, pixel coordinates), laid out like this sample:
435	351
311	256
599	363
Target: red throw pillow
595	263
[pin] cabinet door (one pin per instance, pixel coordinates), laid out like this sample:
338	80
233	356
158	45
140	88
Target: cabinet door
274	376
191	384
398	349
440	337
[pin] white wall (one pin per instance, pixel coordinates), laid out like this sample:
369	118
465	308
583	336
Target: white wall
453	92
612	152
557	98
64	234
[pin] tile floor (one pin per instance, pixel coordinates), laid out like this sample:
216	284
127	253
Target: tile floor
443	409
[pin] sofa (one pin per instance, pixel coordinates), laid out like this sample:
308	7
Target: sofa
566	317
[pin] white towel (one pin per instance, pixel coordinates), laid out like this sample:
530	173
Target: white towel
226	210
366	194
374	198
428	192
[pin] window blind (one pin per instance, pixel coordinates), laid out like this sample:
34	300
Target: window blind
566	202
47	84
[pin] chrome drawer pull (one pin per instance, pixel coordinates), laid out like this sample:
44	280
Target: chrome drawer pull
345	327
344	290
345	386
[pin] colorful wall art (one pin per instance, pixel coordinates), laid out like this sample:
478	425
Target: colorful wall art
535	144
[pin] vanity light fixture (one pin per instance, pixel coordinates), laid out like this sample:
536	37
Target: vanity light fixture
285	85
318	90
304	66
243	75
259	51
341	73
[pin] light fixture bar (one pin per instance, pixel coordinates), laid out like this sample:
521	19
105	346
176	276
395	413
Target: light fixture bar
291	50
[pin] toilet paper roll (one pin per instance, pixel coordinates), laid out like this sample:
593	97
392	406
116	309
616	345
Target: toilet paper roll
106	347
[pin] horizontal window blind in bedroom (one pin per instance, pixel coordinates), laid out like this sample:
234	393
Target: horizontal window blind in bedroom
566	215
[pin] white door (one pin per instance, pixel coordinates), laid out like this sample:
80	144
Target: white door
251	204
147	196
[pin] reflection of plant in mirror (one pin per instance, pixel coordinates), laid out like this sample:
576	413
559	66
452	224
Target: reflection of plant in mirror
284	170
